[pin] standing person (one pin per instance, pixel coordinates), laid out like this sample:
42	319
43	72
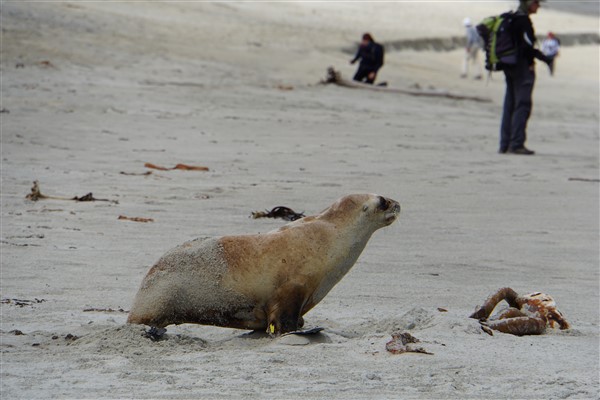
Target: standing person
550	48
474	44
371	59
520	79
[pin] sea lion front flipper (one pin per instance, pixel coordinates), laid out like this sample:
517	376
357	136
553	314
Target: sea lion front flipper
304	332
284	309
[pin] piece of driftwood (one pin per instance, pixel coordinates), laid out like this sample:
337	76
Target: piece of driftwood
22	302
135	219
183	167
584	180
108	310
46	64
136	173
335	77
36	195
284	213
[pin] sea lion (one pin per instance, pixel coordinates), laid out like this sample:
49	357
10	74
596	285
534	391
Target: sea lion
264	281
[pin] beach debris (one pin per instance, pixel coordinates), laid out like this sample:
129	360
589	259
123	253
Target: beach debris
403	342
440	309
155	334
19	65
19	244
68	337
335	77
4	111
46	64
285	213
584	180
135	219
16	332
36	195
528	314
285	87
373	377
108	310
136	173
183	167
31	236
22	302
71	338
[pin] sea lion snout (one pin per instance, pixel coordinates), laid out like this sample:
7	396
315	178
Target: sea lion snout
390	207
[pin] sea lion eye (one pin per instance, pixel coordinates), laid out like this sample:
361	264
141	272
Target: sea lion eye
383	204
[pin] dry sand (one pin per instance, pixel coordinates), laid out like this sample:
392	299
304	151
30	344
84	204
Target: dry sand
92	89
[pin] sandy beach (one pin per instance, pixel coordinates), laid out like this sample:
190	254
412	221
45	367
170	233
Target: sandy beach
91	91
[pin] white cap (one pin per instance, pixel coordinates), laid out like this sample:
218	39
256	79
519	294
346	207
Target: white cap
467	21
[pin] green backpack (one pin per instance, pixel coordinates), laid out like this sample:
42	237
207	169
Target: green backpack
500	42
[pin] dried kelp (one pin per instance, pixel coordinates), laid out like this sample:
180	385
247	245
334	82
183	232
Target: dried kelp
584	180
108	310
22	302
183	167
36	195
284	213
135	219
136	173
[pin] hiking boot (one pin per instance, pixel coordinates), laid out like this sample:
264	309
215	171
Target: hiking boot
502	150
522	151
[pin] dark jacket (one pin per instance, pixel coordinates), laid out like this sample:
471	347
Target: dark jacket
524	34
371	56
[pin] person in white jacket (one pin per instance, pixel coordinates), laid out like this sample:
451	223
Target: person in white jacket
472	47
551	48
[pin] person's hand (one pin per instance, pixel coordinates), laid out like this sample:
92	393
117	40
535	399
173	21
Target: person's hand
371	76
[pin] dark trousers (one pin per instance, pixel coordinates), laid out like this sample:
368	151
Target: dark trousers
517	106
362	74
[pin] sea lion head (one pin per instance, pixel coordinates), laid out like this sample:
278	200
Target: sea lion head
390	209
365	209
